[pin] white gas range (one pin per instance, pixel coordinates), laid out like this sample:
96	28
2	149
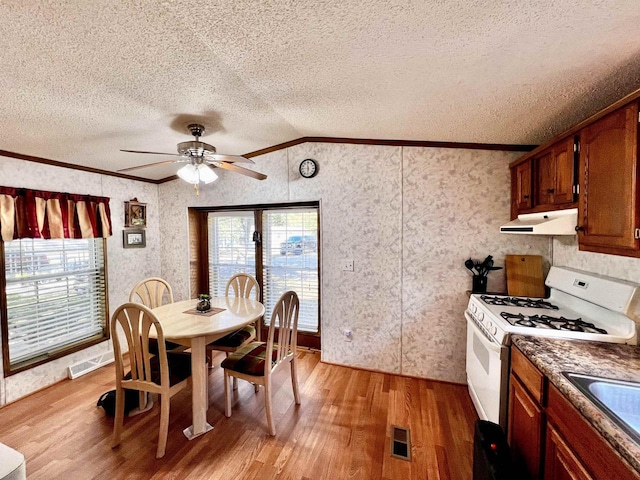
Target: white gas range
581	305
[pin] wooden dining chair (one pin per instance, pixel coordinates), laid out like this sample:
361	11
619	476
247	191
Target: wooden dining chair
248	363
154	292
164	374
245	286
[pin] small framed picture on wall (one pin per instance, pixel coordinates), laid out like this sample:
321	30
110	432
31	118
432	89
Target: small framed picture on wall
134	238
135	214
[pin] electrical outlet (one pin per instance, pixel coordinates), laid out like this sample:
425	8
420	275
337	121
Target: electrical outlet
347	265
348	335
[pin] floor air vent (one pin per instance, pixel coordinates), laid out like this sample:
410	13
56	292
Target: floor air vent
89	365
400	443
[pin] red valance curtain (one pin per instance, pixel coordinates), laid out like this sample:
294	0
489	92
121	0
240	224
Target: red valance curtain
39	214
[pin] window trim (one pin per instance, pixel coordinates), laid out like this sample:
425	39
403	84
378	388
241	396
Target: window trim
199	254
10	370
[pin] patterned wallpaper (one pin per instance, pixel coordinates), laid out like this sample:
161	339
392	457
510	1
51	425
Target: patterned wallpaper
408	217
566	254
454	203
125	266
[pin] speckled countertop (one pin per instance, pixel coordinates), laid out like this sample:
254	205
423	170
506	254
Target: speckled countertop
622	362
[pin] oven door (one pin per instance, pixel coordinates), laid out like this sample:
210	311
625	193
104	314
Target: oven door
487	373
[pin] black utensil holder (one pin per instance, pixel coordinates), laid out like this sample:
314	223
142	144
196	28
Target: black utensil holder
479	284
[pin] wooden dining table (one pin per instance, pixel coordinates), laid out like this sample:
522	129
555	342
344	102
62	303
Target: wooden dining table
182	324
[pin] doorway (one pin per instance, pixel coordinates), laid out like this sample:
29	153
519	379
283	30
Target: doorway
279	245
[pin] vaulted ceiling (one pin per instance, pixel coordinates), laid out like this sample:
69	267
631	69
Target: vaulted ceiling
81	80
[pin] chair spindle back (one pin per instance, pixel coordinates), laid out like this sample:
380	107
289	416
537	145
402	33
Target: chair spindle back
152	292
136	322
285	319
243	285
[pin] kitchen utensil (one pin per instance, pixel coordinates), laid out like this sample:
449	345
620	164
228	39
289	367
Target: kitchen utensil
469	264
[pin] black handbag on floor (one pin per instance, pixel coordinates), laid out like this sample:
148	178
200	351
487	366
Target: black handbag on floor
108	401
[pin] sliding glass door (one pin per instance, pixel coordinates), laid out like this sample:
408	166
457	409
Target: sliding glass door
290	262
279	246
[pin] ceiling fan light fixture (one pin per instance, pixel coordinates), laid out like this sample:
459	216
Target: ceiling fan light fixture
195	174
189	173
207	175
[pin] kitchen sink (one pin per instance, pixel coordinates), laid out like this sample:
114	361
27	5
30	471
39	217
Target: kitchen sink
617	399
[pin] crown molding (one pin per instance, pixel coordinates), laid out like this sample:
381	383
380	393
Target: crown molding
281	146
393	143
56	163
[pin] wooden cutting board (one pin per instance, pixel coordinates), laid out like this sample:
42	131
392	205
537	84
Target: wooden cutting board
524	275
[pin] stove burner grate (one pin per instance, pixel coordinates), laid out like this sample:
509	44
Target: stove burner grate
554	323
518	302
525	322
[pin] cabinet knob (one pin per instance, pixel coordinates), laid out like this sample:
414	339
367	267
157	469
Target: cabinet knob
526	196
550	190
579	229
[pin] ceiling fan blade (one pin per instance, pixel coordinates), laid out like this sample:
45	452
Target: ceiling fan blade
149	165
152	153
243	171
220	157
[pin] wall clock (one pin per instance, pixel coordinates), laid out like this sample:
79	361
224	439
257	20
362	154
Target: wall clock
308	168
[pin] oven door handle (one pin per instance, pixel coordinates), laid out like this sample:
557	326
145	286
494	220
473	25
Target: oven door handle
489	343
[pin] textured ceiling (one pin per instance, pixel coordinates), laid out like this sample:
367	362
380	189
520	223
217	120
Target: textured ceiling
82	79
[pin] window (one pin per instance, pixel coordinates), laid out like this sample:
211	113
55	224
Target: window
55	299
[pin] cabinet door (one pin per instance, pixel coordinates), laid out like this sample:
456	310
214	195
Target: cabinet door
521	186
608	162
545	178
560	461
525	428
555	175
564	172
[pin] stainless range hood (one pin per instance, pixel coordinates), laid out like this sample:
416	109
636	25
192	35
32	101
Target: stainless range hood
559	222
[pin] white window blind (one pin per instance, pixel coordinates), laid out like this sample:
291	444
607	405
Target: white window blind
56	291
290	257
231	248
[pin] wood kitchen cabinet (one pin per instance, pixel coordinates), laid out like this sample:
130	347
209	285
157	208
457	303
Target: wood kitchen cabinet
545	181
555	175
561	462
550	437
574	449
526	415
526	426
608	209
521	188
607	191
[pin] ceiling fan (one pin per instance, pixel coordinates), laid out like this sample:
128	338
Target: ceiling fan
200	159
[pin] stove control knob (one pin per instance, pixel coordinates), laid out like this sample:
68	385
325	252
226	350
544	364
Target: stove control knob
489	325
494	330
481	316
473	308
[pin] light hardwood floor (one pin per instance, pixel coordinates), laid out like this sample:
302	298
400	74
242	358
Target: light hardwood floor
341	430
